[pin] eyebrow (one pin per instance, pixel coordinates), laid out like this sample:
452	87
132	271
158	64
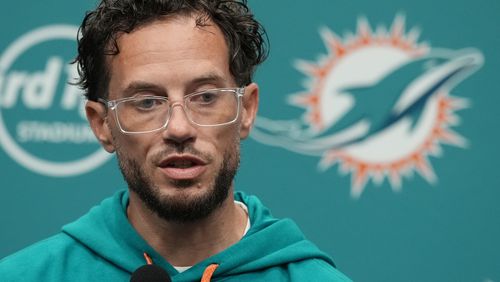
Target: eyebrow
139	86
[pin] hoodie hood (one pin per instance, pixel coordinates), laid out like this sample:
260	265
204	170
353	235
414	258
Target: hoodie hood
270	242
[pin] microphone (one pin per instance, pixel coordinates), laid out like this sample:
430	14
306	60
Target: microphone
150	273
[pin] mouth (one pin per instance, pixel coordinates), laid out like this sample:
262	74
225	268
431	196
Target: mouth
183	167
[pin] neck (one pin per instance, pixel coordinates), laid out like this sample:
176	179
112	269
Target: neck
187	243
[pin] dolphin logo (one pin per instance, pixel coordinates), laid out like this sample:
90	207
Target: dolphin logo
378	105
405	92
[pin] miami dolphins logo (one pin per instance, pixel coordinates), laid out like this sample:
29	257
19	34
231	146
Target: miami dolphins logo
378	105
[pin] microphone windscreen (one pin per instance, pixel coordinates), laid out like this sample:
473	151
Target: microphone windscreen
150	273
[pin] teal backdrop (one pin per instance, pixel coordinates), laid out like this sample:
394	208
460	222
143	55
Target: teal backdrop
414	198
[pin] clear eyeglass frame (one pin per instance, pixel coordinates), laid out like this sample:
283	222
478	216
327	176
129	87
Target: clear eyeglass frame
113	105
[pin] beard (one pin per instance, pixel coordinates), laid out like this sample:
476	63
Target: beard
181	208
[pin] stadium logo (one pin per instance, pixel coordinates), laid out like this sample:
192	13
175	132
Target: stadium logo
378	105
42	120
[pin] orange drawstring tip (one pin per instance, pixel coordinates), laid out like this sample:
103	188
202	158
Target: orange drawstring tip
148	258
209	271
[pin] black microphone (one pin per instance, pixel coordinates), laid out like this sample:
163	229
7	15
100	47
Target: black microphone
150	273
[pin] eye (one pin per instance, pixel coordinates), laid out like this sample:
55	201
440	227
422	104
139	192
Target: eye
147	103
204	98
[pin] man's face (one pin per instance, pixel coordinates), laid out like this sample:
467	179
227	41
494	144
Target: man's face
183	172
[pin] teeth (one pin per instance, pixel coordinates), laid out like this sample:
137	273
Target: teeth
182	164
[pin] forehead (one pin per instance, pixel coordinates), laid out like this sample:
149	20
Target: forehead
171	53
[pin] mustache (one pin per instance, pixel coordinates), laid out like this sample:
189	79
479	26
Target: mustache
180	149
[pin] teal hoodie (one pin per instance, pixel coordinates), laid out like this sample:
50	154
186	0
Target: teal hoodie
103	246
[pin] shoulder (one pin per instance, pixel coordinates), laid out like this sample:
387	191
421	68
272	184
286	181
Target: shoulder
315	270
48	247
298	271
49	260
38	258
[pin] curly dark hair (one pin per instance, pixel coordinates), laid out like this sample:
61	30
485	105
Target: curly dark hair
245	37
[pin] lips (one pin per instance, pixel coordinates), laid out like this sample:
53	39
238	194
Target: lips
183	167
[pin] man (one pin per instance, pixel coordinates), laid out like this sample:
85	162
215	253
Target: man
169	90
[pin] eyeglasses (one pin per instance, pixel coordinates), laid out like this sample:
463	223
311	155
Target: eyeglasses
149	113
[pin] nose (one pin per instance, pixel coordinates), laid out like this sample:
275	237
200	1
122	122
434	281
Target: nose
179	129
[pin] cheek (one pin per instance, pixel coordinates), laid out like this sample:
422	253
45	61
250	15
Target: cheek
227	141
224	136
219	140
130	146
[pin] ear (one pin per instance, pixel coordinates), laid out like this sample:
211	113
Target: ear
249	112
97	117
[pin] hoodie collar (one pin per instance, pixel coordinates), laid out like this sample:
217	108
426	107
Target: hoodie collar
270	242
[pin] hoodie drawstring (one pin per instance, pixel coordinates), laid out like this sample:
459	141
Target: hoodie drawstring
148	258
209	271
207	274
